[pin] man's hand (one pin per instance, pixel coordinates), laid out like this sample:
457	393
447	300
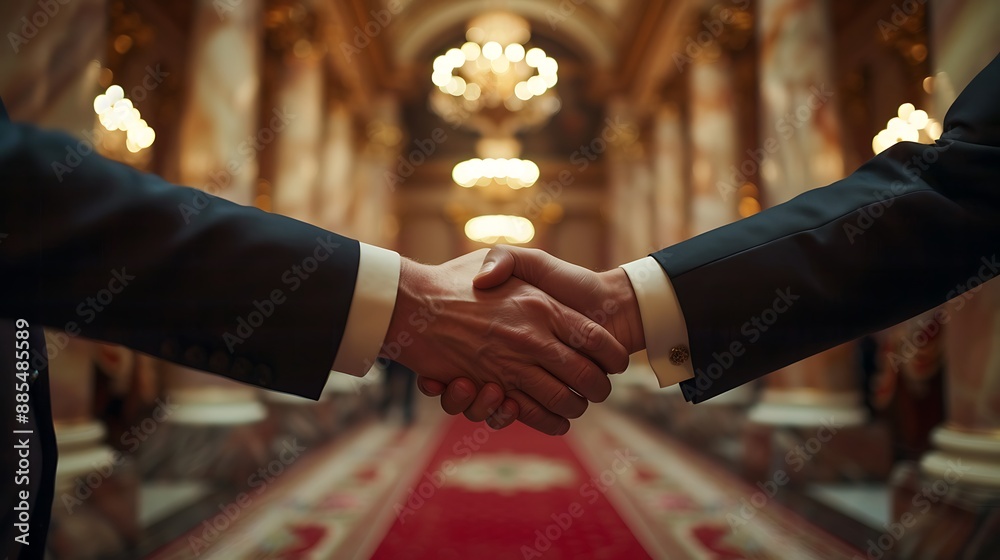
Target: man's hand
606	297
515	337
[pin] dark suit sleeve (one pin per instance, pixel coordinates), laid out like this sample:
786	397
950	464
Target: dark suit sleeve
94	248
914	227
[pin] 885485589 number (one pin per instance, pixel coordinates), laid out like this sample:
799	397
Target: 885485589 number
22	351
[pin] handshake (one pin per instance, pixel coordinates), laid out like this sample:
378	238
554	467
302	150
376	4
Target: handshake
514	334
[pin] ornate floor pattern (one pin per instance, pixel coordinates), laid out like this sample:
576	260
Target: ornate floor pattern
330	506
509	494
453	490
683	506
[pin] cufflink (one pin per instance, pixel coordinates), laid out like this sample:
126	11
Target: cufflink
679	354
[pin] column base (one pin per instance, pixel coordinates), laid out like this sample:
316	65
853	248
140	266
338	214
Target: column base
971	457
740	396
81	450
96	497
936	516
211	434
215	407
808	408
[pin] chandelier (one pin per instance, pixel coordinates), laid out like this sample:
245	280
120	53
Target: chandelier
910	125
493	68
496	85
497	228
116	112
514	172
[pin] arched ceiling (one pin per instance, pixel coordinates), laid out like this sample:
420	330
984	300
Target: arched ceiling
593	30
601	33
619	45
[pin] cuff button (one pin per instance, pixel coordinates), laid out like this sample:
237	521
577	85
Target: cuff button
679	355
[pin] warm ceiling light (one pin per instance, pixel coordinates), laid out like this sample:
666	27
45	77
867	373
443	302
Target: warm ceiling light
471	51
497	228
534	57
492	50
514	52
117	113
514	172
909	125
494	58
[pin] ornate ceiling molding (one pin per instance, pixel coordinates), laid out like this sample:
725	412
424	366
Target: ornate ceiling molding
585	29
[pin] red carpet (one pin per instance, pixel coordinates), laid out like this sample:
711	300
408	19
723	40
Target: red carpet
509	494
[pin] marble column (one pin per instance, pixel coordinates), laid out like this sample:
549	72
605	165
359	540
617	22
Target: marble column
963	40
639	211
800	133
800	149
297	146
972	364
669	189
371	219
336	165
618	209
49	64
713	137
222	101
630	180
203	433
948	502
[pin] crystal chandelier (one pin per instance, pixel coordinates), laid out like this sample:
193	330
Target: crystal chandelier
493	68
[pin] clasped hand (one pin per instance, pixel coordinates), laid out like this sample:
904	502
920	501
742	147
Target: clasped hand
514	334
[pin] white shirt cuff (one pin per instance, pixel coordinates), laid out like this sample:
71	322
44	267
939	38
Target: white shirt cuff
371	310
662	321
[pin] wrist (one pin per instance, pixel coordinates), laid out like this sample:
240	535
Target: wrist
400	337
626	319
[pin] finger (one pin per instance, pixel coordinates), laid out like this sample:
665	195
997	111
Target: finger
458	396
505	416
536	416
496	269
592	340
575	371
566	359
550	392
430	387
534	266
486	403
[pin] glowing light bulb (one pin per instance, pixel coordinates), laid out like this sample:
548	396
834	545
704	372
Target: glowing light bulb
536	85
455	57
918	119
534	57
514	52
492	50
471	50
904	110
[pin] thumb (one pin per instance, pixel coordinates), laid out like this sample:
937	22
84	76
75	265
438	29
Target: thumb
497	267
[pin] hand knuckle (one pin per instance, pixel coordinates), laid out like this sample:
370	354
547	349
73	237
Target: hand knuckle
592	335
